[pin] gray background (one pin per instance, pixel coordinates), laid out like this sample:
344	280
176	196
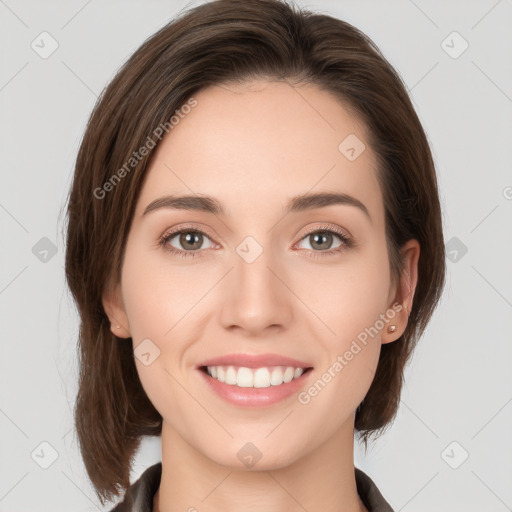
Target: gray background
457	400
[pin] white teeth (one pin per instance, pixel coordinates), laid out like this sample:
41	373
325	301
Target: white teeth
254	378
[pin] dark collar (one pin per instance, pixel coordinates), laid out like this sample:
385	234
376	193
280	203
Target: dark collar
139	496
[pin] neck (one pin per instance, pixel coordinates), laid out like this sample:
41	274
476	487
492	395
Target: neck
321	480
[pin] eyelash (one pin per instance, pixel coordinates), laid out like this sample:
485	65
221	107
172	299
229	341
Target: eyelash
347	242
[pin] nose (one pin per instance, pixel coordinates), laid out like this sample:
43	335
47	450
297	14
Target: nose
255	296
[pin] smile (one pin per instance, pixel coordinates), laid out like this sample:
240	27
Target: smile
254	387
255	377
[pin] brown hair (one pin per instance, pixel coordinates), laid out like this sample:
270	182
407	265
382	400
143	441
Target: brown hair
220	42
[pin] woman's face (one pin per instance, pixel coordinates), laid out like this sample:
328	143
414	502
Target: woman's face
259	278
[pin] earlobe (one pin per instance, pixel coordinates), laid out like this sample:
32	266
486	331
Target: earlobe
404	293
114	308
396	327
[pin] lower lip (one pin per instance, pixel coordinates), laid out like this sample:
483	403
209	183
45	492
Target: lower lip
255	397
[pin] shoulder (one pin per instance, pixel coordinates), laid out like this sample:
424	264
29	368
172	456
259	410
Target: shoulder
370	494
139	496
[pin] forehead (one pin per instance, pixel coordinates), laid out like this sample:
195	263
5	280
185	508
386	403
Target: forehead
260	144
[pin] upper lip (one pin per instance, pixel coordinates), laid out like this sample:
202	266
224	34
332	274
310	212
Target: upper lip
254	361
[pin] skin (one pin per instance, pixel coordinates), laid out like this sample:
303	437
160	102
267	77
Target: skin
253	147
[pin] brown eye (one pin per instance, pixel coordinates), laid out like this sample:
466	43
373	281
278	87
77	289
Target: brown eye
185	242
187	239
322	242
191	240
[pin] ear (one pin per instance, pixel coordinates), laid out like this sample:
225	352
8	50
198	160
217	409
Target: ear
404	292
114	308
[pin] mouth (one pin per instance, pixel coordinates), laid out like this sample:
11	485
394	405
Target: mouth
255	387
247	360
263	377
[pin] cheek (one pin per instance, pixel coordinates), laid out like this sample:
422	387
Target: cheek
155	301
346	298
156	298
349	299
349	304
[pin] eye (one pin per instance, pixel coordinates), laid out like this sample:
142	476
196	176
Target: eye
188	240
323	238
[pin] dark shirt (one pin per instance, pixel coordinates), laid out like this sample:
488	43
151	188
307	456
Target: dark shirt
139	496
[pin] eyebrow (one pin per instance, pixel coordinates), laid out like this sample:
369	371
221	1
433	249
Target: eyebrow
299	203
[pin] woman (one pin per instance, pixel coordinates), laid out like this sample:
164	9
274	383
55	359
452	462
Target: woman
255	246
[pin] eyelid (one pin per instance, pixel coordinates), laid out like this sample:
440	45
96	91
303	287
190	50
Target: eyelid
190	227
343	234
325	227
306	231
